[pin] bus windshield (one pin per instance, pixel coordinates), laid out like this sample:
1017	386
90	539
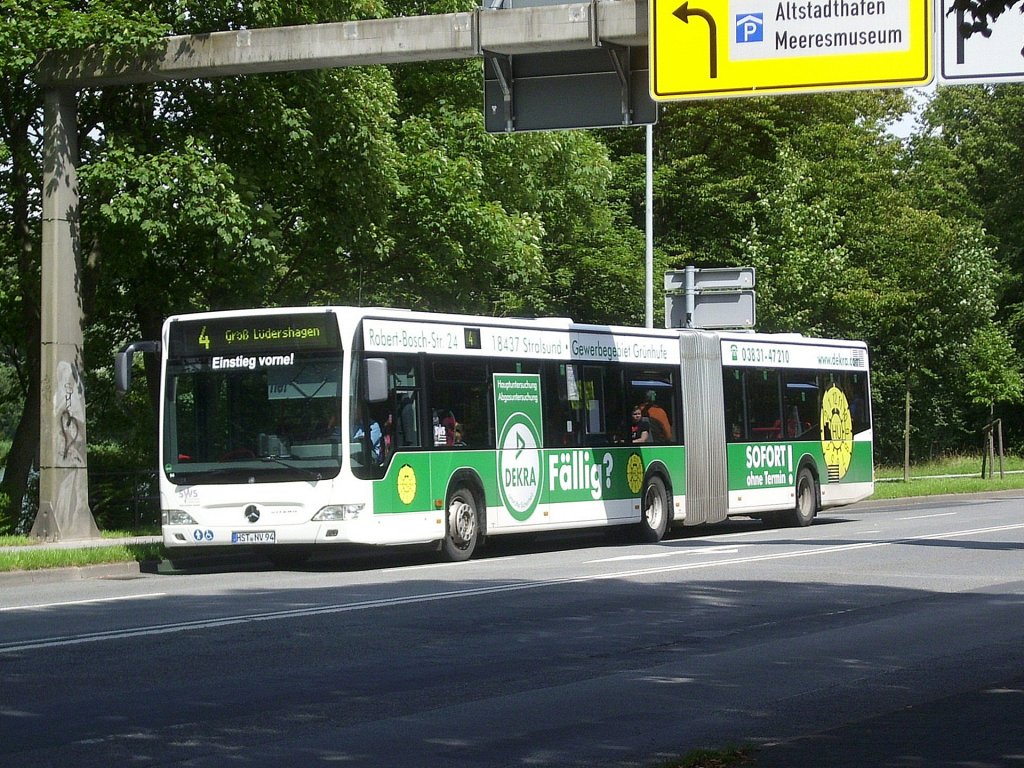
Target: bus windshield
257	418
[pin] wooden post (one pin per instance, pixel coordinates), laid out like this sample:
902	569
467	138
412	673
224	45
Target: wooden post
906	436
999	435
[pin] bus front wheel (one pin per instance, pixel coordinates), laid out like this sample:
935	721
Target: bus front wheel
462	526
806	503
654	510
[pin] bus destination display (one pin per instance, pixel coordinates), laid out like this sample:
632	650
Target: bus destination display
236	335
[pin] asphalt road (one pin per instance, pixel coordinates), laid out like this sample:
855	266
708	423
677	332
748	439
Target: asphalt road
889	634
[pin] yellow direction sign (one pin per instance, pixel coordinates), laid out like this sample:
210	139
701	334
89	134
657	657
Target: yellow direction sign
713	48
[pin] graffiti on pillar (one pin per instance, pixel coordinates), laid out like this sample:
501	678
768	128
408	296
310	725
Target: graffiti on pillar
69	408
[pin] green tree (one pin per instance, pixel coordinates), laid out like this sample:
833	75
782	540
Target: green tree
455	246
27	28
797	248
714	160
991	367
593	255
240	191
853	235
930	289
972	152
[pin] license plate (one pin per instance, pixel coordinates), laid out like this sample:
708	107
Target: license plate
253	537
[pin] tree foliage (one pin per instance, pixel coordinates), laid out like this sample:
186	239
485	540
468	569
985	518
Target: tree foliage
853	233
970	156
979	15
27	28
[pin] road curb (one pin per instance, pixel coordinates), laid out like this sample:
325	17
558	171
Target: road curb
123	570
1009	493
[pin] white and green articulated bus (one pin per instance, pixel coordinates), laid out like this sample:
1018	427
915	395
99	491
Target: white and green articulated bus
293	428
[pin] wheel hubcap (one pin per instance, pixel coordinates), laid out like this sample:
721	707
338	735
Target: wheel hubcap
806	504
463	521
652	509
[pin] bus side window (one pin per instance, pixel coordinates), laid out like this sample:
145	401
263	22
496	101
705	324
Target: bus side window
405	422
459	394
765	406
732	390
857	393
801	403
404	418
563	425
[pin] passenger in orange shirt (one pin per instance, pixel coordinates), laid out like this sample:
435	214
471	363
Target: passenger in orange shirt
661	425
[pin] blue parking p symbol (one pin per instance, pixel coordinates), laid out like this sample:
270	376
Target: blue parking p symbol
750	28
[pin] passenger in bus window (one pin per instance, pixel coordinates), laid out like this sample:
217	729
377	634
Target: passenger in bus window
358	433
640	427
328	428
444	427
406	423
661	425
388	439
794	427
858	414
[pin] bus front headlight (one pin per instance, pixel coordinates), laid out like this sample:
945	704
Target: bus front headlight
176	517
339	512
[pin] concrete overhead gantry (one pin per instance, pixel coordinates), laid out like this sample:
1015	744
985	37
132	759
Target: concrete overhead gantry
64	511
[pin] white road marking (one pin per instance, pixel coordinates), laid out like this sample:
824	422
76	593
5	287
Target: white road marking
456	594
672	553
41	606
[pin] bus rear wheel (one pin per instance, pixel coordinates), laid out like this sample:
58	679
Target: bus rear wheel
462	526
654	510
806	503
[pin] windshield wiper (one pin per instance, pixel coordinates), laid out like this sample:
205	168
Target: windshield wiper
307	472
243	471
192	475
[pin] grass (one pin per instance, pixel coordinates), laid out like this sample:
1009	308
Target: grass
953	474
950	465
29	558
957	474
899	489
28	555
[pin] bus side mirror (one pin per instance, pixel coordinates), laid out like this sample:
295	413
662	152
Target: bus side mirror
375	378
123	362
122	372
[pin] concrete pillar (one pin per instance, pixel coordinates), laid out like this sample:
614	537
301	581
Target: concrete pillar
63	480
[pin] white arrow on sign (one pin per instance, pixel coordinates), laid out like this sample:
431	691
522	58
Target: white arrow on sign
980	59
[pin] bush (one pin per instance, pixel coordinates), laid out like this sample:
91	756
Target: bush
123	494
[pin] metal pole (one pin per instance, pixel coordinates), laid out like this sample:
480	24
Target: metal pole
649	226
690	293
